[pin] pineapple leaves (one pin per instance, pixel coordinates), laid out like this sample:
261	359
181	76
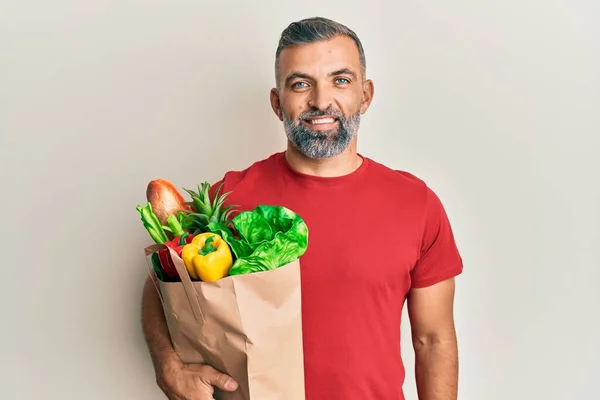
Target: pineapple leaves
204	210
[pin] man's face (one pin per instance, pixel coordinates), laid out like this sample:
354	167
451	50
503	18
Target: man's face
322	95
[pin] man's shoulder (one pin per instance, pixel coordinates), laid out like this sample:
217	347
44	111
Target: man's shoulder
397	178
257	169
407	188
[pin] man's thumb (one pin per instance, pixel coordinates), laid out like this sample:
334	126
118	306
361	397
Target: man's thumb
222	381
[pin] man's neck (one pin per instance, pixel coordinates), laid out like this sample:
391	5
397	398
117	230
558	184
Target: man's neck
343	164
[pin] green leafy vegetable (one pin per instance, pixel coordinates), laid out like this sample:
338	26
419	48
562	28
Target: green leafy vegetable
152	224
240	248
269	237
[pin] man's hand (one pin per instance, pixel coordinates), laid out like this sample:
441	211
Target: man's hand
181	381
177	380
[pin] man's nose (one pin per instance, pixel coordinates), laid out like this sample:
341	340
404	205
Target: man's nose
321	98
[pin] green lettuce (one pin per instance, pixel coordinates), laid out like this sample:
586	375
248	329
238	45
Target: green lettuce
268	237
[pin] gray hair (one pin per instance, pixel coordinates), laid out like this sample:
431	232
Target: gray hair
312	30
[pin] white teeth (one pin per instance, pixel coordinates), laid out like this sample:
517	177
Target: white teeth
322	121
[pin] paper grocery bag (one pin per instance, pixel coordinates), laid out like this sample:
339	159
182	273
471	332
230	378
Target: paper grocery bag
247	326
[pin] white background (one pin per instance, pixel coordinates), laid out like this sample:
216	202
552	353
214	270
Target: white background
496	104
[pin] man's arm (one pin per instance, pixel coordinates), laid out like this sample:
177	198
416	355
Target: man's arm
431	314
154	327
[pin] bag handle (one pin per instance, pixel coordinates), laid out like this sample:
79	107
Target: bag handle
186	281
188	286
149	251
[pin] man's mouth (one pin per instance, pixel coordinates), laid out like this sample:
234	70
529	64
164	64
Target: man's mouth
320	120
321	123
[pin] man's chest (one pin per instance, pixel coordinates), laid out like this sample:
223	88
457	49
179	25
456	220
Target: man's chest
363	251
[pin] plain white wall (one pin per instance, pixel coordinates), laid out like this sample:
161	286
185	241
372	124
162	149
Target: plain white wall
495	104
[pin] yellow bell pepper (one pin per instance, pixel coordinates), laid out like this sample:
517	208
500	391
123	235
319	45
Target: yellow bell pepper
207	258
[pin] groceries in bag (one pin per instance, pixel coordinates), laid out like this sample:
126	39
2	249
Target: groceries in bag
211	243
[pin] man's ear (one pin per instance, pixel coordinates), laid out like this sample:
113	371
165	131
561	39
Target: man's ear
368	92
276	103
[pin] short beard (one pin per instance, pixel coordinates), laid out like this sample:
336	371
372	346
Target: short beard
322	144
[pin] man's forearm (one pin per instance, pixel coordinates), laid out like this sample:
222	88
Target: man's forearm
154	327
436	369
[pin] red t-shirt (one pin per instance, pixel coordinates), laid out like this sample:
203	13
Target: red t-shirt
373	235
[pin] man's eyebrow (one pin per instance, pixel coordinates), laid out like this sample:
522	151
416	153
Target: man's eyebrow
344	71
296	75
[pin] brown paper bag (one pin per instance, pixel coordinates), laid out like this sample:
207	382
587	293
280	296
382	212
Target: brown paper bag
247	326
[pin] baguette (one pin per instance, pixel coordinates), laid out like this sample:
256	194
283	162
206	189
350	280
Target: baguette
165	199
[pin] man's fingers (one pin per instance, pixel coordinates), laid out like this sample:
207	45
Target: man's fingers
173	396
218	379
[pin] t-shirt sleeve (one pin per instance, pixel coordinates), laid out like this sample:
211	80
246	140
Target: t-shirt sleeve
439	256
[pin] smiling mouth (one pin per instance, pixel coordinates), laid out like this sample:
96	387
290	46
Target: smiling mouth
320	121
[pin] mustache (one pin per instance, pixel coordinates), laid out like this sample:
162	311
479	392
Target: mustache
330	112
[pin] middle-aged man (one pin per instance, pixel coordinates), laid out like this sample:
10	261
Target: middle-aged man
378	237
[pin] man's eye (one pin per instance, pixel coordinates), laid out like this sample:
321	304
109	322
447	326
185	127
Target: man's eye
298	84
342	81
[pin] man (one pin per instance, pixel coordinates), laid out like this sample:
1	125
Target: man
378	237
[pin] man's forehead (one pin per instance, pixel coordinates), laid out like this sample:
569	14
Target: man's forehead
324	56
